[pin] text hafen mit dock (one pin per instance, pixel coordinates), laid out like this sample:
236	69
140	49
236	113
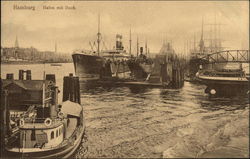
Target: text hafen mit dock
58	7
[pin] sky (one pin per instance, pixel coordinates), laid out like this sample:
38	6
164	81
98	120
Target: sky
151	21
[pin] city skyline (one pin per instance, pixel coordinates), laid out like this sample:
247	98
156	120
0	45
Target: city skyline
151	20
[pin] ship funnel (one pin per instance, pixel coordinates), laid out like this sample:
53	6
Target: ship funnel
28	75
119	45
10	76
141	50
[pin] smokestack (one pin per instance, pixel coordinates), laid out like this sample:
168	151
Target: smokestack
21	74
51	77
10	76
28	75
141	50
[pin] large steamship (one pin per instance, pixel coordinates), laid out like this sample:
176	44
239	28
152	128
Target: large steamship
97	64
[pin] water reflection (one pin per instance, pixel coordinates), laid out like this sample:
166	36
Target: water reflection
138	89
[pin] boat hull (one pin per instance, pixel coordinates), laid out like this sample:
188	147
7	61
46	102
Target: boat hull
60	152
225	85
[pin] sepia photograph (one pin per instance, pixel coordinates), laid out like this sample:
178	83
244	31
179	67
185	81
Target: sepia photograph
124	79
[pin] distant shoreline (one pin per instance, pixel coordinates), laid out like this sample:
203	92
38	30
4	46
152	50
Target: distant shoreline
29	63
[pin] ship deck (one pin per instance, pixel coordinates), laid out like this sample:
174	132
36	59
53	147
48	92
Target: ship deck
238	79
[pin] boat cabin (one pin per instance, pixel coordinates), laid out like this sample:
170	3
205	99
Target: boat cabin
42	135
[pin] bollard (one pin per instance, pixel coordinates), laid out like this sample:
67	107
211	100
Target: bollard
21	74
10	76
174	79
28	75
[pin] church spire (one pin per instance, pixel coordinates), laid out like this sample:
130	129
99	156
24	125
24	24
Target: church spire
16	43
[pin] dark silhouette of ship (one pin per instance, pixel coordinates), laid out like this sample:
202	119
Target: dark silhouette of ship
141	66
97	64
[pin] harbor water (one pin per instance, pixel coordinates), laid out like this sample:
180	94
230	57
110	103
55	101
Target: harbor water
140	122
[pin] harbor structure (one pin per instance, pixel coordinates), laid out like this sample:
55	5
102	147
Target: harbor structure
168	68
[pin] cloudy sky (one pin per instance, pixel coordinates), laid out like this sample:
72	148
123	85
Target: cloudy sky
155	21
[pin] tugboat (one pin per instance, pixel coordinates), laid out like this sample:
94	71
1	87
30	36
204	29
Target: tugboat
46	129
91	65
224	76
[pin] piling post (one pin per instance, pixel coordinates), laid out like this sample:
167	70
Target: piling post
66	88
2	117
6	114
77	90
179	77
71	89
174	78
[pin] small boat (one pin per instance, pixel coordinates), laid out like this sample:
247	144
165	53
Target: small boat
46	129
55	64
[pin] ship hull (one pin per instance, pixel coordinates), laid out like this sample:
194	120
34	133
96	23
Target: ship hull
225	85
140	70
89	67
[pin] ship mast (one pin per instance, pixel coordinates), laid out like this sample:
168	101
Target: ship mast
130	41
202	41
137	47
98	36
146	47
215	34
194	42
